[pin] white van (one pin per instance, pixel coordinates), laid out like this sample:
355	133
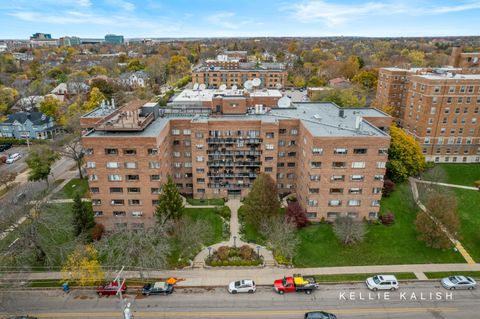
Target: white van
13	158
382	282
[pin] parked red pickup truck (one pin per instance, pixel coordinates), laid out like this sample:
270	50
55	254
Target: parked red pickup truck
296	283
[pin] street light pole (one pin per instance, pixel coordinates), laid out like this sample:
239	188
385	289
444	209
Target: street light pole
209	250
235	241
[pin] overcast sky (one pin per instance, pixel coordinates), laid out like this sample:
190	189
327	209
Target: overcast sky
212	18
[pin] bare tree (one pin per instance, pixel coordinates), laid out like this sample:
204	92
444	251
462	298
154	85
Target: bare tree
6	178
348	230
280	234
144	249
69	145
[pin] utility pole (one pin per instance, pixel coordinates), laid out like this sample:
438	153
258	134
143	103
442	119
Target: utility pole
127	312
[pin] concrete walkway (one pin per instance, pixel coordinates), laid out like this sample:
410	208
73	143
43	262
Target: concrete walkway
458	245
201	277
234	240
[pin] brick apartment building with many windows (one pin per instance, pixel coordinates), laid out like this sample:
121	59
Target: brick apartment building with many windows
333	159
439	107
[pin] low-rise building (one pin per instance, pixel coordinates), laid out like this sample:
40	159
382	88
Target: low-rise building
34	125
134	79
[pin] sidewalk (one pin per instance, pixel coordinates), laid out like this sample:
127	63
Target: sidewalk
235	239
458	245
262	276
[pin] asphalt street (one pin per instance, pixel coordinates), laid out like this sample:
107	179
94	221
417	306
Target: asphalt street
412	300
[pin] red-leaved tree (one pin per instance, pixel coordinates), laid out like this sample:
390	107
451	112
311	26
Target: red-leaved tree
296	215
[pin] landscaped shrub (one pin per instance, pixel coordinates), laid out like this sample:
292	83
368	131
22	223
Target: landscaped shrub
246	252
296	214
387	218
477	183
223	252
223	211
214	263
282	260
225	263
388	187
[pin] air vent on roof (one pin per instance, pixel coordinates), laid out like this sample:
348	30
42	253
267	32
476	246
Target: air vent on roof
317	117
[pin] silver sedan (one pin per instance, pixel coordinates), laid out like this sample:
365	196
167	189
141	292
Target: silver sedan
458	282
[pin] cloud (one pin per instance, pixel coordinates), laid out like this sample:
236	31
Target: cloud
333	14
221	19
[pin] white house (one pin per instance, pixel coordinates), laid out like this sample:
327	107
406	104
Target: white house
134	79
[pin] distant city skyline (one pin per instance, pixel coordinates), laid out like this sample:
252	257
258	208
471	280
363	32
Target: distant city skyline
250	18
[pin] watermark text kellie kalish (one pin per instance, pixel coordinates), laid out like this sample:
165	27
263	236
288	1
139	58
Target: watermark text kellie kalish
401	296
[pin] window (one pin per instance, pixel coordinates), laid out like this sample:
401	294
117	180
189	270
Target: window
114	177
432	110
293	131
311	215
268	169
317	151
282	131
313	190
358	164
186	132
130	151
137	215
375	203
152	151
315	164
131	165
292	154
292	143
200	158
354	202
382	151
113	165
332	215
91	165
94	190
201	180
133	178
177	165
200	170
359	151
291	175
177	154
98	213
155	177
338	178
119	214
111	151
175	132
312	202
381	164
187	164
281	142
334	203
378	177
117	202
199	135
117	190
427	140
134	202
357	178
291	164
270	135
268	158
339	164
355	191
377	190
89	151
314	177
154	164
199	146
133	190
336	190
96	202
340	151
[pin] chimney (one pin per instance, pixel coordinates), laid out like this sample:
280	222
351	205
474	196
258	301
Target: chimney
341	113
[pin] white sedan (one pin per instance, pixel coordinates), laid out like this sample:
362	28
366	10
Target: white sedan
245	285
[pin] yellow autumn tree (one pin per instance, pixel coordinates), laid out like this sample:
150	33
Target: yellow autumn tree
96	97
83	266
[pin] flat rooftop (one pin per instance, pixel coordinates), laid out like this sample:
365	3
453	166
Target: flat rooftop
246	66
321	119
189	95
450	76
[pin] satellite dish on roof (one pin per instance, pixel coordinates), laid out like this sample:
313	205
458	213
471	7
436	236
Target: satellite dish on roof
234	87
278	85
248	85
222	87
283	102
256	82
195	86
202	87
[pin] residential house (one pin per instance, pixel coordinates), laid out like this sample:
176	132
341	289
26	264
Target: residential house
134	79
34	125
339	82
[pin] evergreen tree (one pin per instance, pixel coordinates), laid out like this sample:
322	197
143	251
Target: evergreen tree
262	202
170	204
83	219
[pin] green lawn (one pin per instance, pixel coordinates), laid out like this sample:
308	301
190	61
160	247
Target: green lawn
73	187
204	202
395	244
361	277
461	174
211	217
442	274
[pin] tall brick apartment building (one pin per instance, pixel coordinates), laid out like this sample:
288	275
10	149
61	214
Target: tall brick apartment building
215	73
333	159
439	107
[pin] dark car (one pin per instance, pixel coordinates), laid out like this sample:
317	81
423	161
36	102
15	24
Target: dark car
4	147
22	317
158	288
319	315
110	289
